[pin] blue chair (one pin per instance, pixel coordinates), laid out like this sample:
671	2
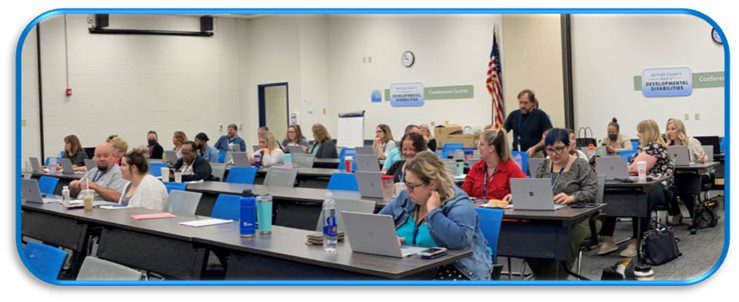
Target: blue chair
48	160
439	154
521	159
226	207
155	169
47	184
348	152
634	144
449	148
343	181
490	221
221	157
174	186
44	261
242	175
723	145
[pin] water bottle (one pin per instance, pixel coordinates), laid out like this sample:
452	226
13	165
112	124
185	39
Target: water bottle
65	195
257	160
330	239
248	215
288	161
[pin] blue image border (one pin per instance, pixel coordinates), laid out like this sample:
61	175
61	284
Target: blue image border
408	11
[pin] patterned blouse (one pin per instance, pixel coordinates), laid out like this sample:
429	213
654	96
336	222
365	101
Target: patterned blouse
663	166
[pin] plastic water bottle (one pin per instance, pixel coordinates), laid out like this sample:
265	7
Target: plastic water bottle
591	151
330	237
288	161
257	160
65	195
248	215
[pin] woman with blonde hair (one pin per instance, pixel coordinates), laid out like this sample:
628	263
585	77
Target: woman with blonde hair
271	153
323	147
432	212
178	139
427	135
120	146
383	142
676	135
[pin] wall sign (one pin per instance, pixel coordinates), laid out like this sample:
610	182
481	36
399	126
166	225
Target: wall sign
666	82
700	80
443	92
406	95
376	96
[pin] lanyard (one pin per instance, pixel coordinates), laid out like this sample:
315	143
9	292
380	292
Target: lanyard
415	225
522	123
97	173
551	172
485	180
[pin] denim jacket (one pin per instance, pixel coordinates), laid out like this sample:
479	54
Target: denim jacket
452	225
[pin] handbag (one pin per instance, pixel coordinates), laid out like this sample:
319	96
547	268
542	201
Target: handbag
583	140
659	245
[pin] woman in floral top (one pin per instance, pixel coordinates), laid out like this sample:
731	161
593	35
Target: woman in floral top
653	151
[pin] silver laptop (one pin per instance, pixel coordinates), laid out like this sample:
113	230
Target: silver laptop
613	167
365	150
67	166
304	160
171	157
679	154
370	184
533	194
31	193
534	164
241	159
367	163
90	164
295	150
600	151
256	148
35	165
709	153
450	165
375	234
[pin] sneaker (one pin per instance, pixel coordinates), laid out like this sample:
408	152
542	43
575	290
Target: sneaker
629	251
606	248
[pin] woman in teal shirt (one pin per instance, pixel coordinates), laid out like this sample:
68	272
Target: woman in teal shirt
433	212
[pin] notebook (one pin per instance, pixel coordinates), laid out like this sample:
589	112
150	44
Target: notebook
152	216
205	222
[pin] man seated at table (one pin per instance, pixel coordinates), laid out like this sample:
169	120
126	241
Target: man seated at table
231	142
105	179
192	166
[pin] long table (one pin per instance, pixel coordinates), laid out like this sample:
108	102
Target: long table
164	247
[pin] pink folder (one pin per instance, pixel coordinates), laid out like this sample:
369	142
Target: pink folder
152	216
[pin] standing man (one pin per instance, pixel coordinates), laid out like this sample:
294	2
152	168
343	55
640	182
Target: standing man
105	179
528	124
231	141
155	149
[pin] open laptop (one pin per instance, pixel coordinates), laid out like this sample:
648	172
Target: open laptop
370	184
367	163
679	154
35	164
375	234
171	157
365	150
304	160
256	148
714	141
241	159
450	165
709	153
535	163
613	167
67	167
295	150
90	164
31	193
533	194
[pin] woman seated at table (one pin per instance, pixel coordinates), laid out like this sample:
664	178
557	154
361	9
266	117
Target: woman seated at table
74	151
428	137
121	148
143	189
411	144
323	148
687	184
271	153
294	137
574	151
489	178
383	142
178	139
432	212
615	142
653	151
573	182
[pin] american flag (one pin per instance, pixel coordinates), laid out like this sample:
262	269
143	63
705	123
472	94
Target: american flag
494	84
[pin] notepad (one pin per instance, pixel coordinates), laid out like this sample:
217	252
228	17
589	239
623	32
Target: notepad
205	222
152	216
114	207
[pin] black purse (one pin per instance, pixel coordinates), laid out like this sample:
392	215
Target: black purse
659	245
583	140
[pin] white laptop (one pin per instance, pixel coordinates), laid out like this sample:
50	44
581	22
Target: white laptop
533	194
534	164
67	166
35	164
256	148
450	165
304	160
370	184
90	164
367	163
679	154
31	193
295	150
613	167
709	153
241	159
375	234
171	157
365	150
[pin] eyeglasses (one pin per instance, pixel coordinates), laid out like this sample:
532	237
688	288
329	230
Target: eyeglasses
411	186
555	149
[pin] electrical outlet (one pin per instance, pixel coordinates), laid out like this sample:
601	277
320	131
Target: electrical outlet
687	116
23	122
697	116
369	60
324	111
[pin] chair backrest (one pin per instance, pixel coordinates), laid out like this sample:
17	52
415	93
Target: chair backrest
98	269
303	160
601	188
155	169
348	152
181	186
449	148
343	181
47	184
490	221
521	159
182	202
218	170
278	177
227	207
221	157
242	175
347	205
46	261
634	144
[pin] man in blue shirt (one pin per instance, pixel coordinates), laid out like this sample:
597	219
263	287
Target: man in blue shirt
229	142
204	150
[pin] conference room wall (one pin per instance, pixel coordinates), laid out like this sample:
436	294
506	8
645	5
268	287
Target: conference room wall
609	50
129	84
29	99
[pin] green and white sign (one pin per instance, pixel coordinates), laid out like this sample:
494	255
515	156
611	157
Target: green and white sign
700	80
443	92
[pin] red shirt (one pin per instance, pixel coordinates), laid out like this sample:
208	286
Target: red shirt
497	187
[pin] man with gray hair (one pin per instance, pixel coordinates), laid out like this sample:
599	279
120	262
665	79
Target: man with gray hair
231	141
105	179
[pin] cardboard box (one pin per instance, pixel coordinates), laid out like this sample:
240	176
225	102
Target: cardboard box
468	140
443	131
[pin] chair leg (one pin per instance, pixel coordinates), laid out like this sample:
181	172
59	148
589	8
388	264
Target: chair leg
523	270
510	269
579	262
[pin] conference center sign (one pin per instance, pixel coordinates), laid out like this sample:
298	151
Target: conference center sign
434	93
671	82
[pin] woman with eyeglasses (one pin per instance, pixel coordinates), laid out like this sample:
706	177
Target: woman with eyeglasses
572	182
433	212
490	177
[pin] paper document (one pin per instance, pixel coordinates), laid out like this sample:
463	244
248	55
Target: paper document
205	222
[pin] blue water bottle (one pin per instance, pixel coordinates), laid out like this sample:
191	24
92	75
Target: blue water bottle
248	215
